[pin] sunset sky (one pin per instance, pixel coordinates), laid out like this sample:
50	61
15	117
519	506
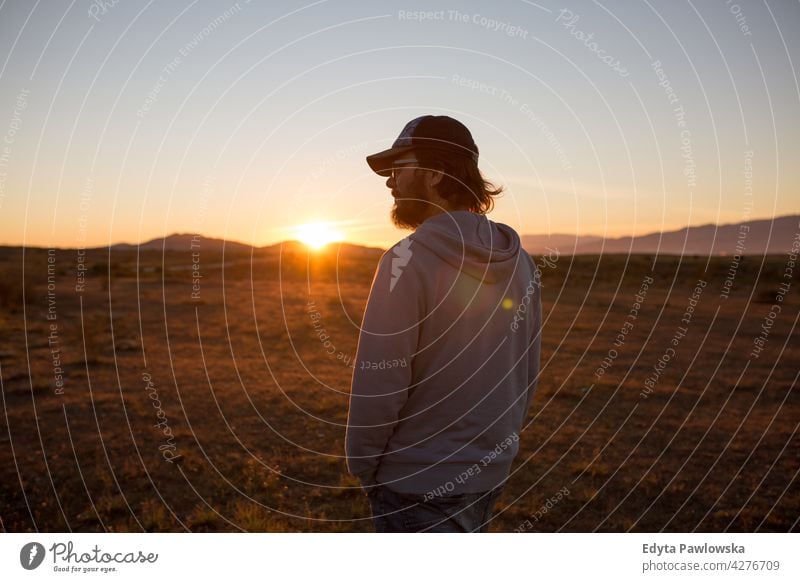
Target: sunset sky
124	121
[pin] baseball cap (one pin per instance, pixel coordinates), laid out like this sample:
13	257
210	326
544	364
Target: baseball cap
435	132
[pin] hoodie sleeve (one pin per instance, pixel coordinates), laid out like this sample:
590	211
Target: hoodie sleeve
382	375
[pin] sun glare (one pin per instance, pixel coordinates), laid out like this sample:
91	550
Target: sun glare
317	235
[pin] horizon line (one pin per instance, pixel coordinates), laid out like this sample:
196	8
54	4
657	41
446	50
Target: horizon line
284	241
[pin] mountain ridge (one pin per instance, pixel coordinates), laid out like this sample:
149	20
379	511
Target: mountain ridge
752	237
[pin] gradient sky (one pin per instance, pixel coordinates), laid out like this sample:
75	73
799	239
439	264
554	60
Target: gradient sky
126	121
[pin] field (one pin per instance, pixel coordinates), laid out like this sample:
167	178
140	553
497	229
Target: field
142	403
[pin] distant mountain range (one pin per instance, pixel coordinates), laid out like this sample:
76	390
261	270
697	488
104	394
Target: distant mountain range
186	242
193	242
755	237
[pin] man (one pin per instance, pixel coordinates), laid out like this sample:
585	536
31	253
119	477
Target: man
448	355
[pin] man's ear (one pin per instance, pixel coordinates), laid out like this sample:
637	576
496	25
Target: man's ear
434	177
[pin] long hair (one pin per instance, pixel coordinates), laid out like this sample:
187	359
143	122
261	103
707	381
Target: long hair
462	183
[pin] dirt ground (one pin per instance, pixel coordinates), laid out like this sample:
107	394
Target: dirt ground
687	421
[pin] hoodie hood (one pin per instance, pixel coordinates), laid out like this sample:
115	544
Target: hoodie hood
473	244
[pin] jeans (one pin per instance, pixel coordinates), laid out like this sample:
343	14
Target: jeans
409	512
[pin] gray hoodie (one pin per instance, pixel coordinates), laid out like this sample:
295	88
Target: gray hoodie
447	360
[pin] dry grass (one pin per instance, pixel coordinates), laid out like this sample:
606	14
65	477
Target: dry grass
256	406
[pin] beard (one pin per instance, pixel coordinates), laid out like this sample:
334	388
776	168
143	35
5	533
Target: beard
409	213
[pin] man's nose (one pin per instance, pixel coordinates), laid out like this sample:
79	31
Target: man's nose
390	183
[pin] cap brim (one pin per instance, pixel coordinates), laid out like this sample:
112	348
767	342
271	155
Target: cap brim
381	163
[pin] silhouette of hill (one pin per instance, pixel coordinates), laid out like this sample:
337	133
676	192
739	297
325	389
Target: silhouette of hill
185	242
192	242
565	243
754	237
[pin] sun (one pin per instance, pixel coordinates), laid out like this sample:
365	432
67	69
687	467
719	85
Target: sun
318	234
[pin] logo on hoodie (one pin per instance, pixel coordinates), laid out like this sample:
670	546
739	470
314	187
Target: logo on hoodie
402	254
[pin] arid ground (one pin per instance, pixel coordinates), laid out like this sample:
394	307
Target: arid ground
140	402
